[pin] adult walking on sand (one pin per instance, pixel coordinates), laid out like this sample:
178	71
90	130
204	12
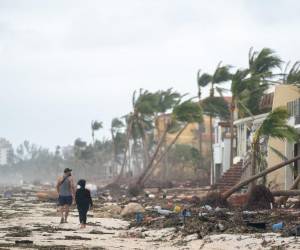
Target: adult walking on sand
66	191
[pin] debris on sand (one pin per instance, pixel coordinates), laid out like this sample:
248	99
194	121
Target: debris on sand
214	199
75	237
47	195
260	197
110	210
23	242
132	208
134	190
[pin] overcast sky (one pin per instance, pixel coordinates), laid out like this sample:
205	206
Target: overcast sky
65	63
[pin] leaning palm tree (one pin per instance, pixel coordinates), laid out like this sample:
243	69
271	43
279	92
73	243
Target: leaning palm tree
220	75
116	126
248	85
95	125
274	126
202	81
184	113
291	75
260	65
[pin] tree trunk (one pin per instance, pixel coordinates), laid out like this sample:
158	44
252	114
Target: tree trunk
145	171
164	153
232	108
145	146
286	193
253	163
212	169
114	152
128	135
294	186
241	184
200	125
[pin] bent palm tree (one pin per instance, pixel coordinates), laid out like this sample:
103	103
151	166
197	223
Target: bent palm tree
186	112
95	125
220	75
202	81
274	126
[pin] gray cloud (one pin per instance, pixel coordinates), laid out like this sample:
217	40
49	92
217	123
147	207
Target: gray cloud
65	63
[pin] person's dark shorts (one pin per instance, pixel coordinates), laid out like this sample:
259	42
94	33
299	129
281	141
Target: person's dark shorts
65	200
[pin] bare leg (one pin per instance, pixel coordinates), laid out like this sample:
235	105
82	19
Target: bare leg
61	214
66	212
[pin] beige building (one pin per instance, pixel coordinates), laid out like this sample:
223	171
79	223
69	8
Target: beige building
287	96
190	136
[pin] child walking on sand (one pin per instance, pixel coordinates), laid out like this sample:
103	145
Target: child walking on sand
83	201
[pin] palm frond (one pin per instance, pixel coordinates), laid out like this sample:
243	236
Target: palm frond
188	112
221	74
275	125
204	79
216	107
263	62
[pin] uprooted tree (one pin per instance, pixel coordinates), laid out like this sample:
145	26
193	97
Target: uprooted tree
241	184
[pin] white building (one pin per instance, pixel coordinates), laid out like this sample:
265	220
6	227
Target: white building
221	147
5	152
244	129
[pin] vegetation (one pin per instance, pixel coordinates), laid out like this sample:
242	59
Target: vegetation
138	146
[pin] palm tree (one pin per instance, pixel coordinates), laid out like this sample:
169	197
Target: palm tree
116	125
274	126
292	76
220	75
95	125
248	85
238	85
260	65
202	81
184	113
140	122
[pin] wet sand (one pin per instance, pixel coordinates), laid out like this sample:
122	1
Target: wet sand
24	218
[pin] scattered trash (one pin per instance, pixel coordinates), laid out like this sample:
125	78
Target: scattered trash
132	208
214	199
47	196
76	237
221	227
177	209
258	225
138	217
277	227
296	231
108	211
23	242
164	212
207	207
7	195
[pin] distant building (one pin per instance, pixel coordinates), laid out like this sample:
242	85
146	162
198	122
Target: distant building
195	135
221	146
6	152
192	135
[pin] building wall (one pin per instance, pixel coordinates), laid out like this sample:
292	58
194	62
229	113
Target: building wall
190	135
5	152
282	178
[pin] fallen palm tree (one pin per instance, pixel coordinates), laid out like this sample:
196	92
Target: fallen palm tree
241	184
